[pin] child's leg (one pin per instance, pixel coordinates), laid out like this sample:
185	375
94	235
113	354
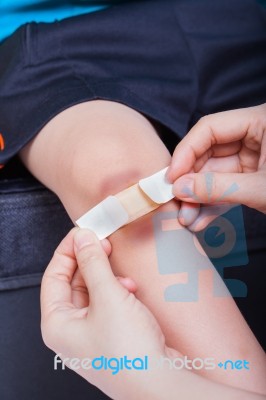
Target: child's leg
99	148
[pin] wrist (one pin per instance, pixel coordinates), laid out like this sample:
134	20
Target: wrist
155	382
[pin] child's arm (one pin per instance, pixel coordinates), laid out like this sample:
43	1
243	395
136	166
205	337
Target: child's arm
99	148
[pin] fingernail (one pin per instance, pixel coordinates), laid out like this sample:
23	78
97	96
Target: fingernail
83	238
184	188
182	216
187	215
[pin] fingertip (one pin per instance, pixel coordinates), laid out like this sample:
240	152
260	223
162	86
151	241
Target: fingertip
132	286
169	174
188	213
106	246
83	238
128	284
183	188
65	247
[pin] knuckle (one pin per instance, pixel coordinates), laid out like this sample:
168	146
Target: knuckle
215	186
255	138
204	120
199	187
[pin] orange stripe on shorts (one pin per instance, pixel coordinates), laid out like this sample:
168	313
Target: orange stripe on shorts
2	142
2	146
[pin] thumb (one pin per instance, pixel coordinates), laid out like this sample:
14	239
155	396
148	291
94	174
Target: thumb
94	266
212	187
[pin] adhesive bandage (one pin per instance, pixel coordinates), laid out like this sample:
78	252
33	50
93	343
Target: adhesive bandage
132	203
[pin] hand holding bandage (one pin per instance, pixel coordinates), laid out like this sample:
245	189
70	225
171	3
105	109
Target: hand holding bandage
98	317
222	159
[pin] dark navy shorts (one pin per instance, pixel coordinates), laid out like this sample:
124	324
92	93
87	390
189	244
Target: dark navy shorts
174	61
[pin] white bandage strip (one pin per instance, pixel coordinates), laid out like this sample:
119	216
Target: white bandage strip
157	187
127	206
105	218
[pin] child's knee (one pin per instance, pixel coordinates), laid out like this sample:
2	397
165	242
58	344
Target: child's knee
114	157
93	150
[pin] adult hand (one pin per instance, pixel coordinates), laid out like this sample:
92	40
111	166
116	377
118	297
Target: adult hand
222	160
96	316
103	320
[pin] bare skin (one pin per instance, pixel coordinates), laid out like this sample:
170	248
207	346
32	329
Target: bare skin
72	332
99	148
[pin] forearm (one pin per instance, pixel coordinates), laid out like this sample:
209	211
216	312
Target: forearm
172	385
97	149
168	384
208	327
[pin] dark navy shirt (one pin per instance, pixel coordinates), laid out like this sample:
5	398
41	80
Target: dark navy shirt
173	61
